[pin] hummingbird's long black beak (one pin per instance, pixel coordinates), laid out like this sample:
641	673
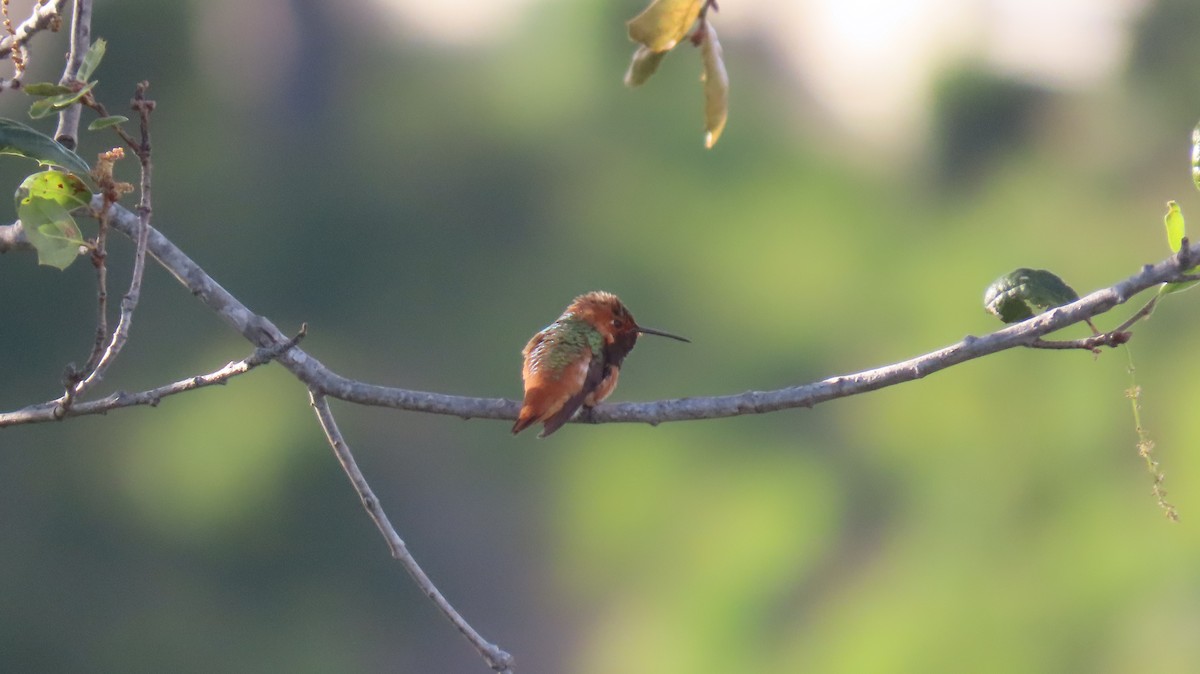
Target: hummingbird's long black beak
660	333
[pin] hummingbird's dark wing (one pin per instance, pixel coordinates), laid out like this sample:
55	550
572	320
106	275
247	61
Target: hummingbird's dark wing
595	375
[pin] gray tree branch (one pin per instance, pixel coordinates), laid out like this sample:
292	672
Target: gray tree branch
46	14
12	237
81	39
495	656
43	16
53	411
261	332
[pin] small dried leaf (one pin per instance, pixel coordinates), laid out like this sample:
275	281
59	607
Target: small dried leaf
644	64
716	86
664	23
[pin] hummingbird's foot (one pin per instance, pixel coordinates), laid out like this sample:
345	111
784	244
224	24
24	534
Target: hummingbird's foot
585	415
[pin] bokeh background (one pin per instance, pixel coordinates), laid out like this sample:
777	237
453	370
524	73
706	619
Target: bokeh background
427	183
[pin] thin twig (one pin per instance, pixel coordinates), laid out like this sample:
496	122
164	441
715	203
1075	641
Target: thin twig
102	111
1113	339
496	657
110	191
1144	312
51	411
129	302
698	35
81	39
100	262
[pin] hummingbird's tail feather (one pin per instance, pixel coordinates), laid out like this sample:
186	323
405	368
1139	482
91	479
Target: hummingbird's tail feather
563	414
526	418
539	405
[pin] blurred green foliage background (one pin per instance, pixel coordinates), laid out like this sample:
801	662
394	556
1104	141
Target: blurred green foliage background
425	206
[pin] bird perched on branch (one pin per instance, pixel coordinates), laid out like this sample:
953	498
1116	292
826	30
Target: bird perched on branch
576	360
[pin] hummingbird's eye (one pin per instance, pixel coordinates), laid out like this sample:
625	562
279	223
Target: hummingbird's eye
618	323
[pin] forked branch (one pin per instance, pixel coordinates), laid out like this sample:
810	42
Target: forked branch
496	657
81	382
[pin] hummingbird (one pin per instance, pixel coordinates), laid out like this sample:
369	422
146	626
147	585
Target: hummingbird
576	360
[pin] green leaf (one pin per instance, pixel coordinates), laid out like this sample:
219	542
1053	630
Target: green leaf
51	230
1175	233
105	122
1023	293
91	60
44	201
67	99
1196	156
1175	229
45	89
47	105
644	64
716	86
664	23
64	189
21	140
41	108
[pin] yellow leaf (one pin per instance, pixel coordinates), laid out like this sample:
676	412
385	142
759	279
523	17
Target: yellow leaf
664	23
716	86
644	64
